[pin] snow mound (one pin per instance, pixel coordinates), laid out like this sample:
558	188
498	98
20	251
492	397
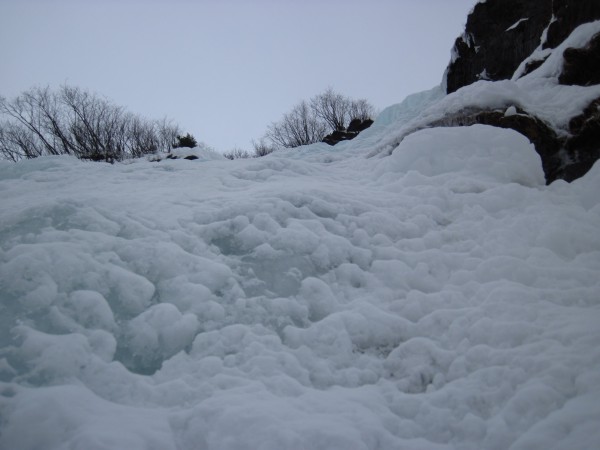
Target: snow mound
481	151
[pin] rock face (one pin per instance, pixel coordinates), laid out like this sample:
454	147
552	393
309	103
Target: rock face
499	35
583	146
582	65
569	14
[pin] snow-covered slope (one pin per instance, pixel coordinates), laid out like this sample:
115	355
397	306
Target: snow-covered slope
441	297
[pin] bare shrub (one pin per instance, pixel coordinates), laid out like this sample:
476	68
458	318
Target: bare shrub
73	121
309	122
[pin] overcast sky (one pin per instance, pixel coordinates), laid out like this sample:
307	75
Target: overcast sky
223	70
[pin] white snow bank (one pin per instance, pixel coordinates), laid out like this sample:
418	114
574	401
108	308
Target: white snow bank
481	151
439	298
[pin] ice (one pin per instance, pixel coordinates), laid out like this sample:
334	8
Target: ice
438	297
159	333
73	417
91	310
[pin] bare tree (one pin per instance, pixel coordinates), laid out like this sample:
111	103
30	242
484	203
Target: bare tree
333	108
25	112
76	122
18	142
262	148
50	120
141	137
361	109
167	134
299	127
310	122
93	123
237	153
338	110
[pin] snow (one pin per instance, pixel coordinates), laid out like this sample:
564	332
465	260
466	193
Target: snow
483	75
438	297
517	23
202	152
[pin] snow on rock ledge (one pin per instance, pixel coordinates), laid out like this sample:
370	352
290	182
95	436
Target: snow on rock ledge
560	120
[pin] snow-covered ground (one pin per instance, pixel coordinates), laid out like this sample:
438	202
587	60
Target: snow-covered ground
441	297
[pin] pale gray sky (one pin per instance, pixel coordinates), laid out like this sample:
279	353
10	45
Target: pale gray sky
223	70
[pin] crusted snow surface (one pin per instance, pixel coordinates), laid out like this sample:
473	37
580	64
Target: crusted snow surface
442	297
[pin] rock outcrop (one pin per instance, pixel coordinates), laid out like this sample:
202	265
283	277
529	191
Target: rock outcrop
583	146
568	15
499	36
355	127
582	65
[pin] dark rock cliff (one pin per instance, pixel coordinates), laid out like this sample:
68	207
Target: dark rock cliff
582	65
568	15
499	36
